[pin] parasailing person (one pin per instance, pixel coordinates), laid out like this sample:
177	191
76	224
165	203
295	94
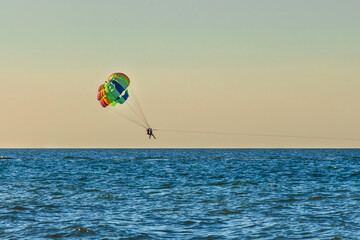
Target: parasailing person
149	132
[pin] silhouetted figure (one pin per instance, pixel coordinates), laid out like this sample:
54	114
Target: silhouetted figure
149	132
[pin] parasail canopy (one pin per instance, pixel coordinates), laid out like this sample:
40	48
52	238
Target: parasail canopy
114	90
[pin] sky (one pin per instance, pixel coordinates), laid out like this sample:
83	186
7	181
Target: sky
236	66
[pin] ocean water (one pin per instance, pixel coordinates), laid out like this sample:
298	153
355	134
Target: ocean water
180	194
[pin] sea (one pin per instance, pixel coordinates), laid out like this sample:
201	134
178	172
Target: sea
180	194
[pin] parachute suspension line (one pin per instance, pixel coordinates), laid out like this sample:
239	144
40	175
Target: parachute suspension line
139	117
259	135
139	106
127	117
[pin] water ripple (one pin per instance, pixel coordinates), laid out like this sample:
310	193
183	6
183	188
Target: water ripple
179	194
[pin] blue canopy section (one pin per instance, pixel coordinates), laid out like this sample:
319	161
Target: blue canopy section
123	98
126	95
118	87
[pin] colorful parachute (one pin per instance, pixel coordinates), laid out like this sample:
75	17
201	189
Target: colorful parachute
114	90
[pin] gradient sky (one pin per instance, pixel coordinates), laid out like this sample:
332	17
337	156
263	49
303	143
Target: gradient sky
256	66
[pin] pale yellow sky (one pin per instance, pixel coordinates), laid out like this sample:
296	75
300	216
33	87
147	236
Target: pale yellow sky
257	67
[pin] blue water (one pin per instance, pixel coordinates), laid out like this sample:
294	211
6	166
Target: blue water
180	194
